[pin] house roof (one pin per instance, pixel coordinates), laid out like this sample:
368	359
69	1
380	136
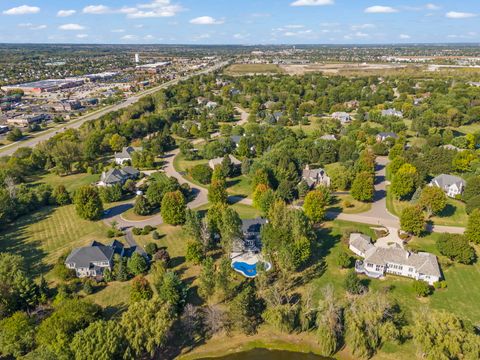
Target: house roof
387	135
445	180
360	242
328	137
126	152
424	263
114	176
253	225
236	139
97	252
218	161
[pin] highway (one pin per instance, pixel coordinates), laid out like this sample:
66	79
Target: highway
75	124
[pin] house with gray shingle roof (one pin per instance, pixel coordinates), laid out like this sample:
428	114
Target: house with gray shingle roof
452	185
92	260
315	177
125	155
344	117
118	176
392	112
382	136
218	161
379	261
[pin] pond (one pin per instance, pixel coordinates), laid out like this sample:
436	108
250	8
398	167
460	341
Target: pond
263	354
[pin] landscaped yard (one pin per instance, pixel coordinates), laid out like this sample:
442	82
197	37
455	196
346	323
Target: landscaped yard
71	182
356	207
240	185
453	215
43	236
244	211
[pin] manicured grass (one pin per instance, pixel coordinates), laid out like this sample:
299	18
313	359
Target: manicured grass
244	211
241	69
171	237
468	129
130	215
43	236
356	207
182	165
114	297
71	182
240	185
453	215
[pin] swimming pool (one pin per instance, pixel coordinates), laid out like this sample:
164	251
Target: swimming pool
248	270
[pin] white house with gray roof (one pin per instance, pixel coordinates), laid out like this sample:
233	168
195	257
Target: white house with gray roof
125	155
118	176
315	177
344	117
379	261
218	161
392	112
452	185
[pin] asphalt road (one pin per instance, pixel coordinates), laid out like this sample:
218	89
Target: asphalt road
75	124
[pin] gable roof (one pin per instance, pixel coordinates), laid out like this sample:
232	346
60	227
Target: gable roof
114	176
97	252
361	242
253	225
236	139
444	180
126	152
385	135
218	161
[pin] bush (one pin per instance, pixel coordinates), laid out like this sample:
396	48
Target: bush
195	253
456	248
88	287
162	255
137	231
201	173
151	248
421	288
472	204
155	235
353	284
343	260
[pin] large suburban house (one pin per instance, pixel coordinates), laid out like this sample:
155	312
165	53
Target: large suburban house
92	260
118	176
218	161
382	136
378	261
125	155
344	117
315	177
392	112
452	185
251	237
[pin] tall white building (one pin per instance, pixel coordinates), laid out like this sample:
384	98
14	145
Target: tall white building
137	58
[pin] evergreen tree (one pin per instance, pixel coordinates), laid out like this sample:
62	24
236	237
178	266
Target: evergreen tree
472	233
88	204
173	208
142	207
206	286
217	194
363	187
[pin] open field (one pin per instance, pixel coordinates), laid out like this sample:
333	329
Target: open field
245	69
355	208
48	233
71	182
342	68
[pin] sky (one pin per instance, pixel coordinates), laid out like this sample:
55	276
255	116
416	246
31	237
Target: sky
248	22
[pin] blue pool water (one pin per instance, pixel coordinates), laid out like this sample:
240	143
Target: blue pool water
248	270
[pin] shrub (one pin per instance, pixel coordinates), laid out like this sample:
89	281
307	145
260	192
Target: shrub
421	288
137	231
343	260
195	253
201	173
162	255
353	284
155	235
88	287
151	248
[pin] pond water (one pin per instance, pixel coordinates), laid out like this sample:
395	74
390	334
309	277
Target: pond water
263	354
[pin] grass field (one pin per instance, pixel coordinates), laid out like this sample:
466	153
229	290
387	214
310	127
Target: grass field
240	185
355	208
242	69
244	211
46	234
453	215
71	182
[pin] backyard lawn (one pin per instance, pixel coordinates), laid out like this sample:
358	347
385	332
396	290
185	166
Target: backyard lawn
356	207
240	185
244	211
71	182
43	236
453	215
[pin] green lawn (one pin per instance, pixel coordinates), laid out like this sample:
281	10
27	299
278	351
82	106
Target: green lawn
453	215
71	182
244	211
43	236
338	205
240	185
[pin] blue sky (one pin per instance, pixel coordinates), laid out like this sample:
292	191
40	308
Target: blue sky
239	21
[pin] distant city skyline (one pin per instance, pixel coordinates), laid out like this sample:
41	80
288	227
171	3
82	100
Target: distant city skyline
239	22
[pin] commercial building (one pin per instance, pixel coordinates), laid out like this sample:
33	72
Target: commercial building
153	68
26	120
38	87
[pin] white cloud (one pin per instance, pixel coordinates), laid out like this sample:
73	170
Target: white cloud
206	20
65	13
71	27
241	36
297	33
82	36
431	6
404	36
22	10
31	26
129	37
379	9
312	2
118	30
96	9
362	26
295	26
459	15
155	8
148	37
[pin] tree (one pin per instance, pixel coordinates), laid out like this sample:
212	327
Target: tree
472	233
171	289
441	335
101	340
472	188
140	289
88	204
315	204
206	279
56	332
343	259
230	228
201	173
117	142
151	248
363	187
263	198
370	320
227	166
173	208
421	288
456	247
329	322
61	195
137	264
142	207
17	334
195	252
14	135
217	194
403	183
433	200
146	325
244	311
353	284
412	220
110	194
